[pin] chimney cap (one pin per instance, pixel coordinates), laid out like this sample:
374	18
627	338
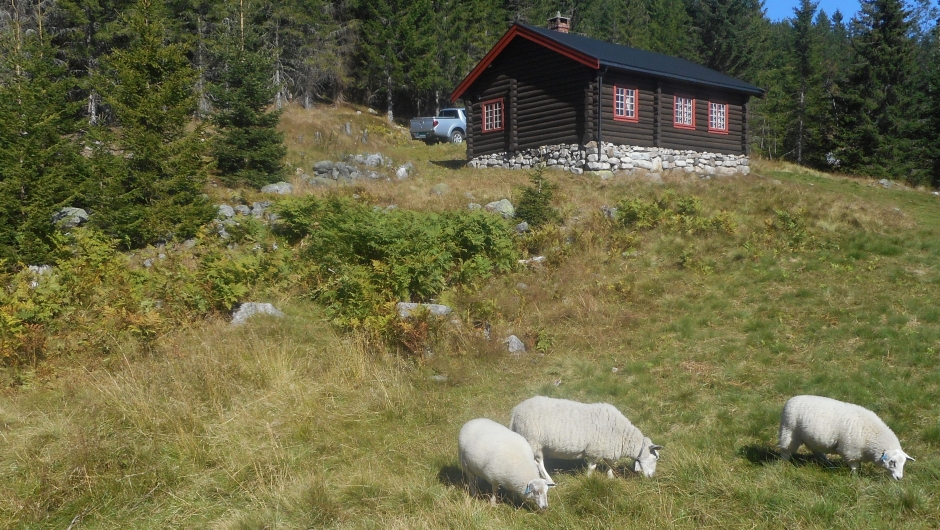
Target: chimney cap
559	23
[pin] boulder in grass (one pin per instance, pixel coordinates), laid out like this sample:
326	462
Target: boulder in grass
406	309
502	207
515	346
250	309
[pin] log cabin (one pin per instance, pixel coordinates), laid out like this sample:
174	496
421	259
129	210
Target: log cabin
539	90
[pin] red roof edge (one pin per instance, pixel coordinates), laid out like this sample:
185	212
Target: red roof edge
520	31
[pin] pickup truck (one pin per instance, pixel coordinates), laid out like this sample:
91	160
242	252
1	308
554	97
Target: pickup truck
450	125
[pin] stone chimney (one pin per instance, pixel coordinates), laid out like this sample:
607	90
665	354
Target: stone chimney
559	23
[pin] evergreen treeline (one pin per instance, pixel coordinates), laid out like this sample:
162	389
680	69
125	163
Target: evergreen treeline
126	107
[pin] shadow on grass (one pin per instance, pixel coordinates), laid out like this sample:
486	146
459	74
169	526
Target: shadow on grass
623	468
760	455
453	476
449	164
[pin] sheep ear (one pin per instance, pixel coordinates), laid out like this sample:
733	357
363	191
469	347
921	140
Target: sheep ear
884	456
552	484
528	489
909	457
655	447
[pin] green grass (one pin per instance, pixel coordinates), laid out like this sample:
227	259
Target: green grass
698	338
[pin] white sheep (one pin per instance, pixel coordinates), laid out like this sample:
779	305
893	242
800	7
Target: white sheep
560	428
827	425
490	451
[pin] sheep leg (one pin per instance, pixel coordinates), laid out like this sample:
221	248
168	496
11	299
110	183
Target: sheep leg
495	486
788	444
591	465
853	465
540	461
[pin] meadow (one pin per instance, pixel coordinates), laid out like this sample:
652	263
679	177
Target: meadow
698	312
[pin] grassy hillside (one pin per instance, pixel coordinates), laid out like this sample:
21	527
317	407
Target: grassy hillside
698	312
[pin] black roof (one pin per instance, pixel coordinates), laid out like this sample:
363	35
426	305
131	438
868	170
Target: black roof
641	61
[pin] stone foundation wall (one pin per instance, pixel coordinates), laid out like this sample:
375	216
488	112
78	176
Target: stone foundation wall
610	157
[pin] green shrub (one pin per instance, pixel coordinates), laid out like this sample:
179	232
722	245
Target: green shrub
535	203
364	258
677	213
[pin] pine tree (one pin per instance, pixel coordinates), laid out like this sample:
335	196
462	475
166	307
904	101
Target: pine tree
729	35
151	170
669	29
40	166
805	82
932	134
248	148
877	126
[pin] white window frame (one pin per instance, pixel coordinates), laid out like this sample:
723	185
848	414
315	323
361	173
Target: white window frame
625	104
717	117
683	112
494	115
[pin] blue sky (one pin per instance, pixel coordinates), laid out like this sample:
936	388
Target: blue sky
781	9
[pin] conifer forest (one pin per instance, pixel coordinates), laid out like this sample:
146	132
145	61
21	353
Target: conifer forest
128	107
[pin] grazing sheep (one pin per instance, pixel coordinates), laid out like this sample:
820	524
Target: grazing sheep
501	457
560	428
829	426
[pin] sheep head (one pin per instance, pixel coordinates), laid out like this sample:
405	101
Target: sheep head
893	460
537	490
646	461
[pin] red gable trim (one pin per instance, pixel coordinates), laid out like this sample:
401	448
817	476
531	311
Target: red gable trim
514	31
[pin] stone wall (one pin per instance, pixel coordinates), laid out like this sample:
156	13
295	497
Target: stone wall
578	159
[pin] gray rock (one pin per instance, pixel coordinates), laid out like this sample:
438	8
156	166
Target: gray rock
374	160
280	188
514	345
405	309
69	217
439	378
404	171
502	207
522	227
474	206
225	212
324	166
322	181
250	309
37	271
610	212
440	189
885	183
242	210
258	208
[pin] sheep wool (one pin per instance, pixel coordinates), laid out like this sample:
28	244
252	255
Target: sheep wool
597	432
829	426
490	451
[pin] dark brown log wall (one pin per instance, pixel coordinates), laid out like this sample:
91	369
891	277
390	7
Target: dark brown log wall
623	132
700	139
544	96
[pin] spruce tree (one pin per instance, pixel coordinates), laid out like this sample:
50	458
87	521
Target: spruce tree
248	148
729	35
40	166
150	170
932	135
879	115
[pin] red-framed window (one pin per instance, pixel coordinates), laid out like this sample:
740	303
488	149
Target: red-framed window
493	115
684	113
717	117
625	104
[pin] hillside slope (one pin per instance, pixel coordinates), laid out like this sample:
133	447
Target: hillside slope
698	312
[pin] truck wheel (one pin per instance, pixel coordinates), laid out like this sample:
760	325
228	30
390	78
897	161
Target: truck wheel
456	137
